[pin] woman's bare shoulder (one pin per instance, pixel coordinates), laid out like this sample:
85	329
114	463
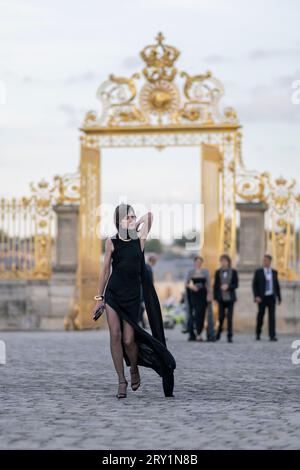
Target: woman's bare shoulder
109	246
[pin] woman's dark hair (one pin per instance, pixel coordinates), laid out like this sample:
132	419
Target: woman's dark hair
121	211
199	257
227	257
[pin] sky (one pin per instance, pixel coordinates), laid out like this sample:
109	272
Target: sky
55	54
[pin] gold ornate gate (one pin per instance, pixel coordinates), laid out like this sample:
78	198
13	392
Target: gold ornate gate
27	227
157	107
89	243
282	224
161	107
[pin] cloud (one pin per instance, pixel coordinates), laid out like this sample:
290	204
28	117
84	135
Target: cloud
28	80
132	62
265	54
73	116
269	105
285	81
84	77
217	59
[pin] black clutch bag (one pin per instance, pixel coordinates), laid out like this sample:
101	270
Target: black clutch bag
98	312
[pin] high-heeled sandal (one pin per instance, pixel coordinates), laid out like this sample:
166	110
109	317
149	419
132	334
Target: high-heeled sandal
122	394
135	383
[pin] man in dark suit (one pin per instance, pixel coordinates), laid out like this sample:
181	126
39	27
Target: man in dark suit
226	282
266	290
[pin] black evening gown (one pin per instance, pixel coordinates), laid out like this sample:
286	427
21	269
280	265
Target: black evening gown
123	294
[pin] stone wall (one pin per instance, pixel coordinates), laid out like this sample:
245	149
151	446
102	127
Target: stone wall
43	305
31	305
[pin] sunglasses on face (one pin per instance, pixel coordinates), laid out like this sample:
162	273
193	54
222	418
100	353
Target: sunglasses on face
130	217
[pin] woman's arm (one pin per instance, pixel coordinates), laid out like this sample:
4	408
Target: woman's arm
189	282
188	278
208	283
104	275
105	272
146	222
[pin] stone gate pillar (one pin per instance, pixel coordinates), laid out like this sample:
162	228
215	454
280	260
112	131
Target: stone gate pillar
67	238
62	287
252	239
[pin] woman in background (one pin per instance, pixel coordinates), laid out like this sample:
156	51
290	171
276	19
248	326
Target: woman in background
199	294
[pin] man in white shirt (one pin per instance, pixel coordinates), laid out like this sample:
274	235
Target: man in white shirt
266	290
269	280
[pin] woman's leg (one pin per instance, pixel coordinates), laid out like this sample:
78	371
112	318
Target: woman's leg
116	349
221	319
198	317
230	320
202	316
131	347
190	323
201	310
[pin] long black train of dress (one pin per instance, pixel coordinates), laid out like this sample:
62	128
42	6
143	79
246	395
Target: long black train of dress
123	294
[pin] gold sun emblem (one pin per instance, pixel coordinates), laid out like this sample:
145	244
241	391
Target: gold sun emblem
159	98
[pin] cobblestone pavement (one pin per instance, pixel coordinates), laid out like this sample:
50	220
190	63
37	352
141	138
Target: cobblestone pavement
58	392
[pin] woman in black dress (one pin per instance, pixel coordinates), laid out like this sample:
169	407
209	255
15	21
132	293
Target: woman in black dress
122	304
198	295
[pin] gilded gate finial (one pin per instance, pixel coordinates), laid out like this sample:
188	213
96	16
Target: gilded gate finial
160	59
159	96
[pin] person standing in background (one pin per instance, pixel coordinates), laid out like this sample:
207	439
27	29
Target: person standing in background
266	289
226	282
151	263
199	294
